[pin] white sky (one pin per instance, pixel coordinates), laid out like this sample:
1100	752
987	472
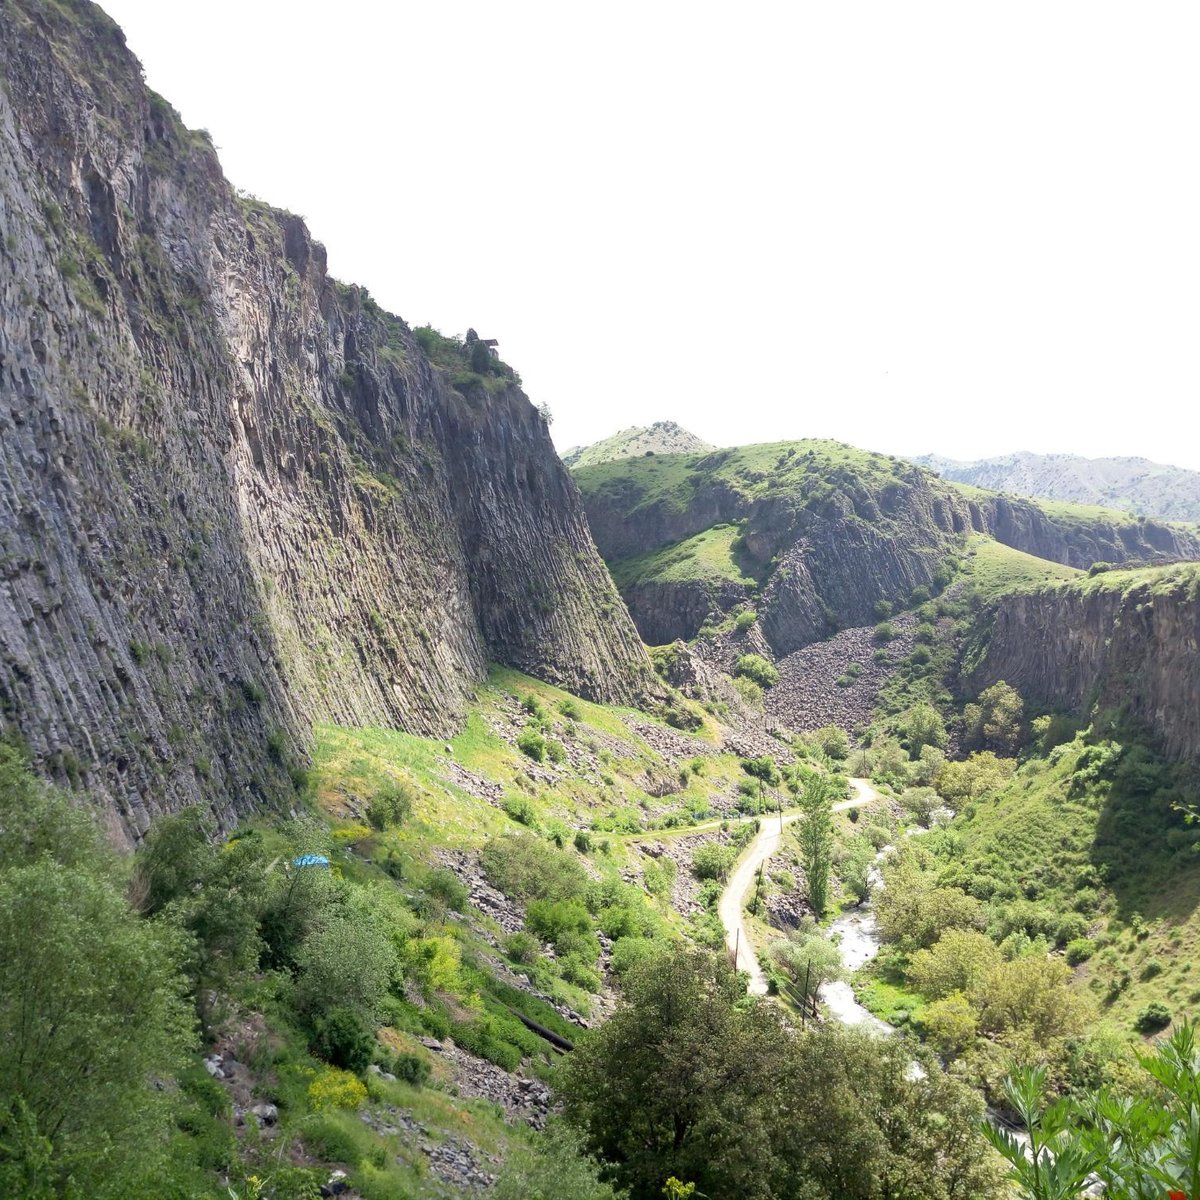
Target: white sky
956	227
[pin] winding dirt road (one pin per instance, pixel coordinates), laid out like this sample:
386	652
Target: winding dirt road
741	880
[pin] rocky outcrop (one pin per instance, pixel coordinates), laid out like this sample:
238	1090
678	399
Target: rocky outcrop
236	497
832	533
1133	645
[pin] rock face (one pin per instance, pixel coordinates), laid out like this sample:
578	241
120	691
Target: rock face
236	497
833	531
1132	645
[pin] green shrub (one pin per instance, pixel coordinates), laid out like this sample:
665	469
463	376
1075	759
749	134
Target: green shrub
327	1139
583	841
391	805
1153	1017
1079	950
531	743
920	656
521	809
555	751
533	706
885	631
749	691
343	1038
744	620
713	860
925	633
757	669
444	885
522	947
411	1068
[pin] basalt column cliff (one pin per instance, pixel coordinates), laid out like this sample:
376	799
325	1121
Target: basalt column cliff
236	497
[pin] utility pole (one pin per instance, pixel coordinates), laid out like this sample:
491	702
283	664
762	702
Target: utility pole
737	945
804	997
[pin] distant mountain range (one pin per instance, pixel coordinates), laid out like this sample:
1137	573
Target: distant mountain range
1134	484
663	437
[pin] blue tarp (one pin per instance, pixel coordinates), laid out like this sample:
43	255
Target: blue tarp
310	860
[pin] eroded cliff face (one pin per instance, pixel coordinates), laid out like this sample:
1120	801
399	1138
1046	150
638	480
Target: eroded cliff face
1133	644
833	543
236	497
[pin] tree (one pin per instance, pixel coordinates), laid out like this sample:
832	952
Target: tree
957	962
997	721
666	1086
814	833
982	772
92	1007
923	726
913	912
1031	1003
807	959
951	1024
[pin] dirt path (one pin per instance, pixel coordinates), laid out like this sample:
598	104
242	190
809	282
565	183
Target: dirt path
729	908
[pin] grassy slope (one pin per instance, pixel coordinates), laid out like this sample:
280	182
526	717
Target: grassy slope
710	556
600	785
805	468
991	569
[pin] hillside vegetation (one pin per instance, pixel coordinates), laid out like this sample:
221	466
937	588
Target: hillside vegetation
828	532
663	437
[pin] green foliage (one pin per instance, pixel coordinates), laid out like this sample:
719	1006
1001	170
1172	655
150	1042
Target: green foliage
411	1068
91	1005
997	721
713	860
526	868
552	1167
814	836
341	1036
531	743
685	1082
1153	1017
391	805
807	959
885	631
757	669
744	620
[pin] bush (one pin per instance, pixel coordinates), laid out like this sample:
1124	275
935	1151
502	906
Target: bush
444	885
885	631
533	706
521	809
749	691
1080	950
920	656
713	860
925	633
756	668
336	1089
522	947
532	744
392	805
745	620
411	1068
1153	1017
583	841
343	1038
571	710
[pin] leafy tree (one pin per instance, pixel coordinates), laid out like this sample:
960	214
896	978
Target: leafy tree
913	912
1030	1000
957	962
347	962
92	1006
997	721
814	833
923	726
979	773
834	741
922	803
807	959
662	1088
391	805
951	1024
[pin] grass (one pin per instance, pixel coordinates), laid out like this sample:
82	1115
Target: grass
992	569
711	556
